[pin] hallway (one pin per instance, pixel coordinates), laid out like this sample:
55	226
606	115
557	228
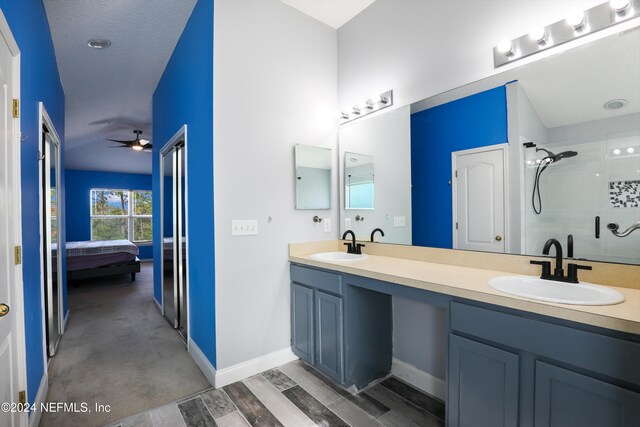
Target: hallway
119	351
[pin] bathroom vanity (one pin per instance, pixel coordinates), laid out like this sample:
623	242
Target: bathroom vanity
511	361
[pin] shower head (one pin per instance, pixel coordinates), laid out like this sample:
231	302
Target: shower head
565	155
552	157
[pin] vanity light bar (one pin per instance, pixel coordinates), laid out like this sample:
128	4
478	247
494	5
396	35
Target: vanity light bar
576	25
368	106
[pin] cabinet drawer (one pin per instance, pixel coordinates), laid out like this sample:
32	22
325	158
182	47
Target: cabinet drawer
328	282
613	357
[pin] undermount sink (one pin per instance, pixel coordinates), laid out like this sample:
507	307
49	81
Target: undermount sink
337	256
559	292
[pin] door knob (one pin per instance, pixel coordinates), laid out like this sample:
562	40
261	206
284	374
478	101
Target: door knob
498	238
4	310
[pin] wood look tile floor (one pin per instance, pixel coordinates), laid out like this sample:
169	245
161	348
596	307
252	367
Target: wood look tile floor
296	395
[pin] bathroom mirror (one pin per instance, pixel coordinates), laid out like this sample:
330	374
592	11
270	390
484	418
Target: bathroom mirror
544	150
313	177
358	181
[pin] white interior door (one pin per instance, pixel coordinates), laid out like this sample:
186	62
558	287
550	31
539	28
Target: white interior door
479	204
12	378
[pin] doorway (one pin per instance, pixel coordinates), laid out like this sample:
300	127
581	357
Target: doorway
175	283
51	240
12	332
479	199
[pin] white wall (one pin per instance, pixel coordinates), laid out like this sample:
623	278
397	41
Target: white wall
420	49
275	86
387	137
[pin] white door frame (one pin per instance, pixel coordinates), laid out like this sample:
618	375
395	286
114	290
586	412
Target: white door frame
504	147
15	210
181	134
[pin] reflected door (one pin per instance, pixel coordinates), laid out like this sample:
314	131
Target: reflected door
480	201
169	276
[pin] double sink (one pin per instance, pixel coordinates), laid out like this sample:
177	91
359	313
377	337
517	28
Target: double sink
530	287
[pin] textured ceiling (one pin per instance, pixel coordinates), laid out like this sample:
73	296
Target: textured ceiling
334	13
109	91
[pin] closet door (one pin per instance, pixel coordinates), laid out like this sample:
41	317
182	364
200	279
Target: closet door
169	260
181	240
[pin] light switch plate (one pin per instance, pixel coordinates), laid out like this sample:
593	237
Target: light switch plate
327	225
399	221
347	223
244	227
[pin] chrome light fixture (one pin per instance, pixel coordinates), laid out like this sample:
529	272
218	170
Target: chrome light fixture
576	25
367	106
99	43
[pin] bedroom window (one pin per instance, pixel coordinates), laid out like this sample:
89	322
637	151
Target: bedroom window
121	215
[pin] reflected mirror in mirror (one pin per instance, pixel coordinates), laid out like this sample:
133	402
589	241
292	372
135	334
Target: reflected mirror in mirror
544	150
313	177
358	181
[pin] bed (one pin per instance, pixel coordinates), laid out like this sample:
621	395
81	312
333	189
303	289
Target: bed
101	258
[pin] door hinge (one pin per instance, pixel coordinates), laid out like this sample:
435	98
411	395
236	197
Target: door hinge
22	397
16	108
456	225
17	252
456	174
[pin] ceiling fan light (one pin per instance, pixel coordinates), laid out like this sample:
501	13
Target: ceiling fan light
137	147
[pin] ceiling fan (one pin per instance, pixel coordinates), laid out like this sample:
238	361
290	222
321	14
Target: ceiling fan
137	144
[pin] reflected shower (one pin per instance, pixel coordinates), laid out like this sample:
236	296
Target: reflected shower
542	165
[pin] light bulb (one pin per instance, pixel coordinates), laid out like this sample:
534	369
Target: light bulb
617	151
538	34
355	111
620	6
630	150
342	116
506	47
576	20
137	147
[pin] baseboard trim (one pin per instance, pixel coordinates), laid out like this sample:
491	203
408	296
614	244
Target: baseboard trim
203	363
254	366
419	379
43	389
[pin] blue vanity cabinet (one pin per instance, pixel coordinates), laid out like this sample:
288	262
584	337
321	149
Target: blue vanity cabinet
564	397
302	330
329	335
511	368
317	319
484	382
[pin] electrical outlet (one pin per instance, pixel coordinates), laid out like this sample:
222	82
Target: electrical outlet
245	227
327	225
399	221
347	223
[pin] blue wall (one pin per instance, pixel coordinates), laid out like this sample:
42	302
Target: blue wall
475	121
185	96
40	81
79	185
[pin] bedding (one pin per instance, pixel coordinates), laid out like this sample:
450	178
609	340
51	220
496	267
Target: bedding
97	253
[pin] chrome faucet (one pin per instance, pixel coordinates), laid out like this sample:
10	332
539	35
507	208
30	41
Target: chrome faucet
613	227
353	247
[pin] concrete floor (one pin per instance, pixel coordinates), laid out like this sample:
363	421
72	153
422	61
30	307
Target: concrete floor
119	351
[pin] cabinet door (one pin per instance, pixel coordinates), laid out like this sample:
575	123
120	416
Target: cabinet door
567	398
329	332
302	330
483	385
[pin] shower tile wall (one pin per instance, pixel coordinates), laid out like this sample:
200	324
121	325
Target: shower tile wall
576	190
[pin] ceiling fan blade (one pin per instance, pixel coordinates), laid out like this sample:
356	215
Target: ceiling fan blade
118	146
121	141
147	146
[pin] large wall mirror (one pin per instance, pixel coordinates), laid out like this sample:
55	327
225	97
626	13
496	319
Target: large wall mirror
547	149
313	177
